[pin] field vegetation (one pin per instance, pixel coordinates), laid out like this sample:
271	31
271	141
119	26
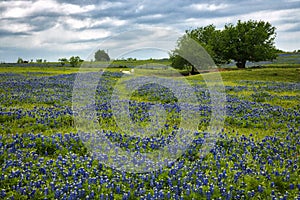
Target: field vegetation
256	155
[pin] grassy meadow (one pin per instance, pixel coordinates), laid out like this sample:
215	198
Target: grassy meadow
256	154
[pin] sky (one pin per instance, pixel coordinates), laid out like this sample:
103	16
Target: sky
52	29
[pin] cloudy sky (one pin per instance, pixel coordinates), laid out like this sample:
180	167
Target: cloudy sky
51	29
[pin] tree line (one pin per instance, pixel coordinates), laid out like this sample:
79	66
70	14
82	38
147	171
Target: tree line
73	61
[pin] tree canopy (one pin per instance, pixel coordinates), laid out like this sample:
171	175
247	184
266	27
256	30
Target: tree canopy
63	61
20	60
101	55
75	61
245	41
249	41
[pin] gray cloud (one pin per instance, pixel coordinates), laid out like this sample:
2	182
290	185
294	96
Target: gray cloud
4	33
79	26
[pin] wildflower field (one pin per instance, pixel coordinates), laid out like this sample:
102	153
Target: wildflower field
256	155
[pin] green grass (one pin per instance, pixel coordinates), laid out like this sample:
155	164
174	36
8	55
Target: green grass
231	78
258	78
255	79
285	65
129	63
43	71
265	74
284	73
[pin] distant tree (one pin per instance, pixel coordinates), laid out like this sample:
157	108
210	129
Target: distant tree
20	60
131	59
39	60
279	51
101	55
75	61
45	60
63	61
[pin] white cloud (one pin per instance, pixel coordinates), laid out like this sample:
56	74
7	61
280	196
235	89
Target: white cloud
286	27
139	8
56	38
60	35
198	22
271	15
21	9
155	16
208	7
92	34
90	22
75	9
107	5
277	18
15	27
143	37
288	40
64	26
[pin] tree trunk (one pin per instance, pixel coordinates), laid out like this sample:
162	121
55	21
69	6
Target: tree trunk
194	71
241	64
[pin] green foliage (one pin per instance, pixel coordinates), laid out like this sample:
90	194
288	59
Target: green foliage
190	54
132	59
20	60
75	61
246	41
242	159
207	37
101	55
63	61
261	96
249	41
39	60
179	63
211	39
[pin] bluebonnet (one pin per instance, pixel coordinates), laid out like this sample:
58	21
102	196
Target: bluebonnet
56	167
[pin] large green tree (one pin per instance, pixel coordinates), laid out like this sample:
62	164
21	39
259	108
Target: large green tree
248	41
101	55
208	37
245	41
211	40
191	55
